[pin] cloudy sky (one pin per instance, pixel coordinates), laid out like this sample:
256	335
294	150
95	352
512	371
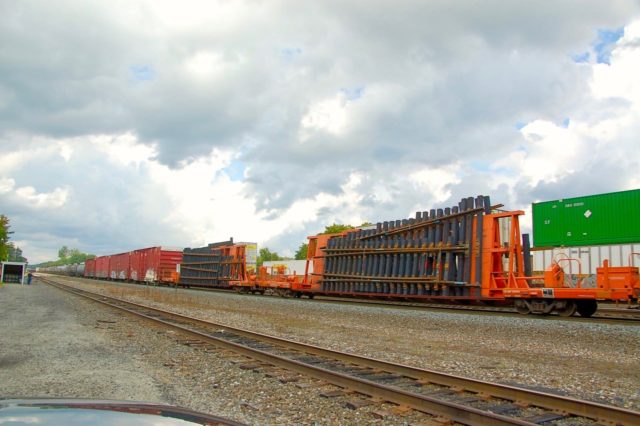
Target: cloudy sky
126	124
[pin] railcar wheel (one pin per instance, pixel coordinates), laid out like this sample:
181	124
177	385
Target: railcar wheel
283	292
522	307
568	310
586	308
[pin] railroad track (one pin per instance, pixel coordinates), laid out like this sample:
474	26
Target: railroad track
454	398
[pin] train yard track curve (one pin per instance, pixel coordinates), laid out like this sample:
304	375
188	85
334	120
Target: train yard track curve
458	399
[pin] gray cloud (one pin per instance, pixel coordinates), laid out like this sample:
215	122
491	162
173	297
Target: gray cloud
109	207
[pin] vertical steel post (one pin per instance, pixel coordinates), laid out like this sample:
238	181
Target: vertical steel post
479	204
526	253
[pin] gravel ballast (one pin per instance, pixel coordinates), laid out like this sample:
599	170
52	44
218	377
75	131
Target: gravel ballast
585	359
58	345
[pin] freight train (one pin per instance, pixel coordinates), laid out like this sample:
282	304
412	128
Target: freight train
74	269
158	265
471	253
153	265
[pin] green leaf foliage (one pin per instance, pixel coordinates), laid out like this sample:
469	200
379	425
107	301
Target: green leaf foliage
67	256
4	237
335	228
15	254
264	254
301	253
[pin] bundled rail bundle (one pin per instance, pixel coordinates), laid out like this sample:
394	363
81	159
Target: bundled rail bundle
213	266
433	254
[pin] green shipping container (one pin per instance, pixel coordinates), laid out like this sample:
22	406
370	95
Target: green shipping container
612	218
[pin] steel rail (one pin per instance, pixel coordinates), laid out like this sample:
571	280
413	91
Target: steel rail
556	403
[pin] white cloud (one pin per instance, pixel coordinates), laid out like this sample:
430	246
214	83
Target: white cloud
51	200
199	14
207	66
619	78
551	152
66	151
330	115
438	181
6	185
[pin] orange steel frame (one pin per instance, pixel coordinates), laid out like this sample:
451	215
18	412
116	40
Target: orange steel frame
238	266
620	283
266	279
495	279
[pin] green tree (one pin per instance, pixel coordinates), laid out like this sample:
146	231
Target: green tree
15	254
301	254
67	256
4	237
264	254
336	227
63	253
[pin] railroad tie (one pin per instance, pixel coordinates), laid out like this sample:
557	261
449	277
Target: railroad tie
288	379
380	414
542	418
333	393
358	403
503	408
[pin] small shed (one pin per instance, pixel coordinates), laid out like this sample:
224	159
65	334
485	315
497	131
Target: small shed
13	272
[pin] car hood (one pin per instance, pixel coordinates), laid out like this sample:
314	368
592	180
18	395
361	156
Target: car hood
74	412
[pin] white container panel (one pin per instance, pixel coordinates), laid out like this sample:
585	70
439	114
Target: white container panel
293	266
590	257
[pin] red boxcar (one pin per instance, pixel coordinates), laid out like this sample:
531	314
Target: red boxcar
135	266
90	268
102	267
119	266
155	264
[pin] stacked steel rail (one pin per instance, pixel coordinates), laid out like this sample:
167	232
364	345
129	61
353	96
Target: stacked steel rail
471	253
212	266
434	254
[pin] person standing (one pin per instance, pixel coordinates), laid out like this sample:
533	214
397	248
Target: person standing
29	277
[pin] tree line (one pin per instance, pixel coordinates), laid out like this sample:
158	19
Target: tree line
68	256
9	252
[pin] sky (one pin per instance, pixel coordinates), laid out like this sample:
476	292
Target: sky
129	124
